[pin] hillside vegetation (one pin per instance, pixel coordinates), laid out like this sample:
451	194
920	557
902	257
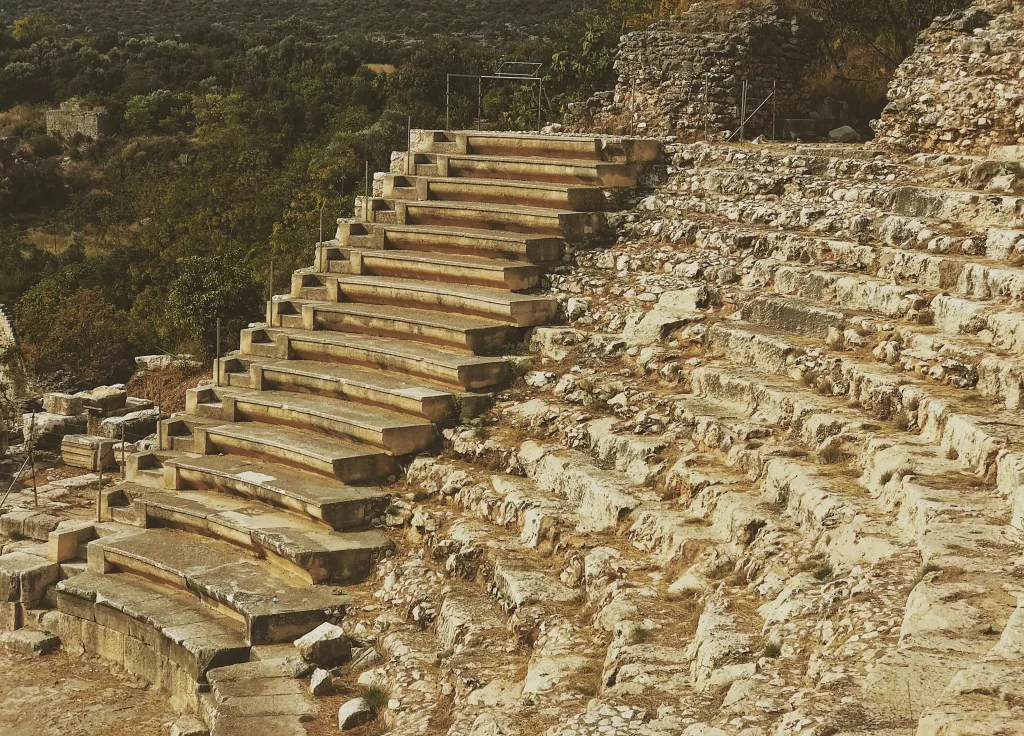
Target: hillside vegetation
414	18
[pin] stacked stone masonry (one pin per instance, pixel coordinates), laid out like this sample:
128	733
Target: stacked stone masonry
962	90
75	120
684	76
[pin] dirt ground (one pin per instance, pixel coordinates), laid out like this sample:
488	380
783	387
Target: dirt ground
60	695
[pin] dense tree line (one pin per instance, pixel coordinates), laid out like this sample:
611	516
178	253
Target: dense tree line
410	18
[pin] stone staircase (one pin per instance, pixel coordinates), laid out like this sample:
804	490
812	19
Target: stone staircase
270	489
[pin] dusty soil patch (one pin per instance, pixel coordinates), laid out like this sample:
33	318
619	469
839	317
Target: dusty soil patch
63	696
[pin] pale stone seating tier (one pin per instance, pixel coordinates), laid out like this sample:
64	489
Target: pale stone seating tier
266	491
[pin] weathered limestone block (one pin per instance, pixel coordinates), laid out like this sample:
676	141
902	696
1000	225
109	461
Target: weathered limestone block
88	452
134	426
58	403
104	398
30	642
47	429
354	713
324	645
24	577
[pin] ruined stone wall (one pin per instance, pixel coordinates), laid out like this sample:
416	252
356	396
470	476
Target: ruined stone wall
684	75
961	89
73	119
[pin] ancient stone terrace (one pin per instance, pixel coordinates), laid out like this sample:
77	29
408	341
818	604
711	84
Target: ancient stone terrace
271	489
767	481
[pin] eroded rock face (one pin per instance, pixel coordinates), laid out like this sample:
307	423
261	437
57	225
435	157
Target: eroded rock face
961	90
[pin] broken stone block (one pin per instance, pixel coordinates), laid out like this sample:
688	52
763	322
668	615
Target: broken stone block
58	403
28	524
48	429
104	398
11	616
24	577
356	712
30	642
88	452
68	540
844	134
324	645
654	326
132	427
320	683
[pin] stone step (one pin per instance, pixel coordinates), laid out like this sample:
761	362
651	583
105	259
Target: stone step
466	332
401	357
601	498
259	697
526	168
399	434
468	618
517	580
272	605
984	439
345	460
523	310
961	361
340	507
522	247
571	226
575	198
375	388
560	147
294	543
968	208
450	268
160	634
1002	328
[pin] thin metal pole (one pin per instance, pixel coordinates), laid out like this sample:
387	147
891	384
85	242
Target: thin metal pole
216	365
99	493
366	193
270	282
632	108
124	468
743	110
14	482
479	101
448	103
408	150
540	103
321	239
775	106
159	414
32	457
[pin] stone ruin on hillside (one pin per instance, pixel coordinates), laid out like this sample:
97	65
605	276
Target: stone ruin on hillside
75	119
685	75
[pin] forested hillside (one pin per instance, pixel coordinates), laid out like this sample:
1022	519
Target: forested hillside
414	18
228	148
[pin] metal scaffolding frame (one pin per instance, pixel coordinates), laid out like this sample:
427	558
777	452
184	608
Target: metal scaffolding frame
518	71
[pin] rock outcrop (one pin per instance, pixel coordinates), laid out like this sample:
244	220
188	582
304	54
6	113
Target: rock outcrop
962	89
